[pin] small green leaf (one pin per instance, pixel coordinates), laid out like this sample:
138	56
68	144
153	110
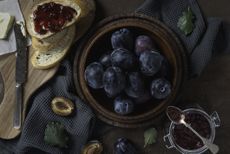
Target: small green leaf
56	135
186	22
150	136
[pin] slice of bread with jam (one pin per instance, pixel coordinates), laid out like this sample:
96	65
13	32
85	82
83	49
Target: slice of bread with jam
54	25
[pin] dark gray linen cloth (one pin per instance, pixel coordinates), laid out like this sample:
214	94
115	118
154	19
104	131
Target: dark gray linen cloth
79	126
209	35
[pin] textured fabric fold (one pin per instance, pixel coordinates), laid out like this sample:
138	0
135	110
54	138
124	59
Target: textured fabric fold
202	42
203	52
78	125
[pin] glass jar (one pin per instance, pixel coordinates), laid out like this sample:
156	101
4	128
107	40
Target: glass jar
214	121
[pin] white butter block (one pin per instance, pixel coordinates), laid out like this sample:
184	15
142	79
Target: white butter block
6	21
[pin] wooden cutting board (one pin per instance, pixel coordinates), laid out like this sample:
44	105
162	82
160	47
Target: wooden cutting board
36	78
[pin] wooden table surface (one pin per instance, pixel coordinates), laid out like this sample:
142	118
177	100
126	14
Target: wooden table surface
211	90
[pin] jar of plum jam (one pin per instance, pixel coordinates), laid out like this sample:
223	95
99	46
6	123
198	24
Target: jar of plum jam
182	139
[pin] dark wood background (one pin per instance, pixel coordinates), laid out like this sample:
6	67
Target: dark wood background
211	90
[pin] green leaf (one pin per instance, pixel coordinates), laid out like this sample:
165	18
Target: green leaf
150	136
186	22
56	135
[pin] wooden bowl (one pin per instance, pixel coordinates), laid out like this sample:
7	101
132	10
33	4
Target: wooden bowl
98	41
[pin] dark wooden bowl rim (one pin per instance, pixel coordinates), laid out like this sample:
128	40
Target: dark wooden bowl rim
107	25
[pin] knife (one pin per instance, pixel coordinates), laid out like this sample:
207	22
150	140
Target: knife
20	73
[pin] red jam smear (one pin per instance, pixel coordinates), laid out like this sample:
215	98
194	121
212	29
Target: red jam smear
186	138
52	17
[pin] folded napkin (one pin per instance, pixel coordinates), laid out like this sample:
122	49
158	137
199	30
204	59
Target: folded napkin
12	7
208	36
79	126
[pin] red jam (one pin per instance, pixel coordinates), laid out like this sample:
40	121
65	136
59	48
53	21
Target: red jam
52	17
186	138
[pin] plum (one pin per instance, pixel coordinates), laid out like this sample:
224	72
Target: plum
165	70
124	146
144	43
94	75
114	81
150	62
122	38
135	85
160	88
123	105
123	59
105	59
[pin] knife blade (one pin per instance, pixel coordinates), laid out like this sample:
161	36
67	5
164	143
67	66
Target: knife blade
20	73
